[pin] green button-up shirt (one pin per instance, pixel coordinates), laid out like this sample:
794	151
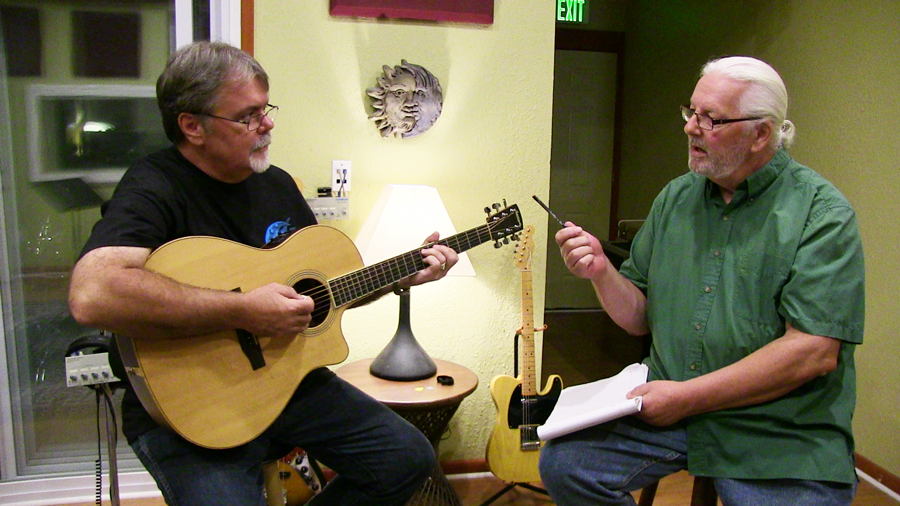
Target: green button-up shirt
721	281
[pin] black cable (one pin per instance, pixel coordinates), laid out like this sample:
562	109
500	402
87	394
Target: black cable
112	435
98	464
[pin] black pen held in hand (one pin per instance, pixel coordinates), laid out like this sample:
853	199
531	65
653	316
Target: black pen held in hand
555	217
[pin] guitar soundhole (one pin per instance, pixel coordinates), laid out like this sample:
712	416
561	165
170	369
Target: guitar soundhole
319	292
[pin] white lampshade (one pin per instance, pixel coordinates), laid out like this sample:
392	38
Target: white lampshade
401	219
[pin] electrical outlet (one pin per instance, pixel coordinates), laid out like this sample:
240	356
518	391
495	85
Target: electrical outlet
340	175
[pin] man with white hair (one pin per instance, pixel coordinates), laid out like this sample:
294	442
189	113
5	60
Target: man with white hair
748	273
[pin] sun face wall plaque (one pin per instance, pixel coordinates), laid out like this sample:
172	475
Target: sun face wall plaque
407	101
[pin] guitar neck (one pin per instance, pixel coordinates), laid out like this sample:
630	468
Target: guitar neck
529	387
359	284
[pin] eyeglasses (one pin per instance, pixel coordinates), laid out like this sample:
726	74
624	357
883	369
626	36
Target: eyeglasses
705	122
253	122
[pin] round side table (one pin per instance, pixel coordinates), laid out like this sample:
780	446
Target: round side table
426	404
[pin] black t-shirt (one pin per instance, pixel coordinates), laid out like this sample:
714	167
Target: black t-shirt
164	197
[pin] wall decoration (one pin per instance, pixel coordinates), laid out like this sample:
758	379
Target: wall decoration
21	27
465	11
106	44
407	101
92	131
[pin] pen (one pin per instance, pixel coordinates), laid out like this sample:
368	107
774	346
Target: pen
555	217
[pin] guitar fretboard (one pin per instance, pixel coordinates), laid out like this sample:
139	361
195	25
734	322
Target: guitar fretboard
529	387
363	282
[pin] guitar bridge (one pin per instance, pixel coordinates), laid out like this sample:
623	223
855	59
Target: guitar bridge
528	438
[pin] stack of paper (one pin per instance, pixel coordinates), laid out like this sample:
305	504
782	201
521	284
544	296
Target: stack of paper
582	406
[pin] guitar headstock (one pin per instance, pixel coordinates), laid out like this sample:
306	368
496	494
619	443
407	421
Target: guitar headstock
524	249
503	223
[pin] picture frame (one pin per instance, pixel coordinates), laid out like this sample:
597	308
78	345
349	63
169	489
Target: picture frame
461	11
90	132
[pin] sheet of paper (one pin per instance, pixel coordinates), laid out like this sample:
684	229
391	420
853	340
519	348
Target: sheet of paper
582	406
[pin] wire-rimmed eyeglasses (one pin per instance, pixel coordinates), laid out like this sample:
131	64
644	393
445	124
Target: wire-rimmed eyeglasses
705	122
252	122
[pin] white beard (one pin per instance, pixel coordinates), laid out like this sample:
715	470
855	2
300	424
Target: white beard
259	160
716	166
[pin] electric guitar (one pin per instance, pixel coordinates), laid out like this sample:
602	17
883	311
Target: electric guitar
223	389
291	480
514	447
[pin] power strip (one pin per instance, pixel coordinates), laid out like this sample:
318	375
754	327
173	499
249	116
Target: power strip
85	370
330	208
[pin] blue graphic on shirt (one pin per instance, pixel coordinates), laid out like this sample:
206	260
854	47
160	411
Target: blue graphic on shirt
278	228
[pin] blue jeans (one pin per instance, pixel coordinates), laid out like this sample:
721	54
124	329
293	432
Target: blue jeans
379	457
602	465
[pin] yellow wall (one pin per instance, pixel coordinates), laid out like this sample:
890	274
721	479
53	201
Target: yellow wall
491	142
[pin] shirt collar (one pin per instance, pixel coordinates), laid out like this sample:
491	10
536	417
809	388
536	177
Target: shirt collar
758	182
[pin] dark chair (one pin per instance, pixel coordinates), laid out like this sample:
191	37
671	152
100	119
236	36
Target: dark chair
704	493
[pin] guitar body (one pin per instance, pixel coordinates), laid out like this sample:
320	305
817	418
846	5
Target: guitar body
505	456
290	481
204	387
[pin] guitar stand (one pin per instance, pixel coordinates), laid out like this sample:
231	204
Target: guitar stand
510	486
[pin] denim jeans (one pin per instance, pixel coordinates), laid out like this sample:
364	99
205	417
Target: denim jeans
602	465
379	458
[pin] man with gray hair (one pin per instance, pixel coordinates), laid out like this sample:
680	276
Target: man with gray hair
216	180
748	273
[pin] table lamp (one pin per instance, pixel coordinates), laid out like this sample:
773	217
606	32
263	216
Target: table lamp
402	218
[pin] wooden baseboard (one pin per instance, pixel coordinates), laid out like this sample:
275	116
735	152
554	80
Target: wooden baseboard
878	473
465	466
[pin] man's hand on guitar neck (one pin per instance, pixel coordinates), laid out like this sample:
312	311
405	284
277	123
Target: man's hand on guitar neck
439	258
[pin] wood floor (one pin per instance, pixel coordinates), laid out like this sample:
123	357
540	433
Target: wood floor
475	489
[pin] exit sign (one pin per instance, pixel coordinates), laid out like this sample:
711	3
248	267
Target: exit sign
571	11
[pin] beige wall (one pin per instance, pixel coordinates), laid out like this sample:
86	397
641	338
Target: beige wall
491	142
838	60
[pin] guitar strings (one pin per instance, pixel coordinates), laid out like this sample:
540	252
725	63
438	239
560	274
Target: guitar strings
368	278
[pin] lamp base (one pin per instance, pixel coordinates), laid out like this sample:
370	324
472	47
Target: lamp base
403	359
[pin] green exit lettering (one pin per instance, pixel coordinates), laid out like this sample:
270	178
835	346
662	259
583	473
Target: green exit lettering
571	11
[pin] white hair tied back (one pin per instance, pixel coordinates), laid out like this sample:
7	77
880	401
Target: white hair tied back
766	96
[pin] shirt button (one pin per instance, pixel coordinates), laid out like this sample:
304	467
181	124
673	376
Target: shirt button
724	218
698	326
693	367
717	253
707	289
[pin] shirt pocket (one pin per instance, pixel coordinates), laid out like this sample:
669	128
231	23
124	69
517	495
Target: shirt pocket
759	282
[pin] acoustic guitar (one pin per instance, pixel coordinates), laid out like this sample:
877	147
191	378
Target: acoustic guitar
514	447
223	389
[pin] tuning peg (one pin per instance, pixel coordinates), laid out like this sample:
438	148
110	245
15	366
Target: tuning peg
497	244
504	203
487	210
495	205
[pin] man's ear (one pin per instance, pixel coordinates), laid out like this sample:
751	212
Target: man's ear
763	135
192	128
